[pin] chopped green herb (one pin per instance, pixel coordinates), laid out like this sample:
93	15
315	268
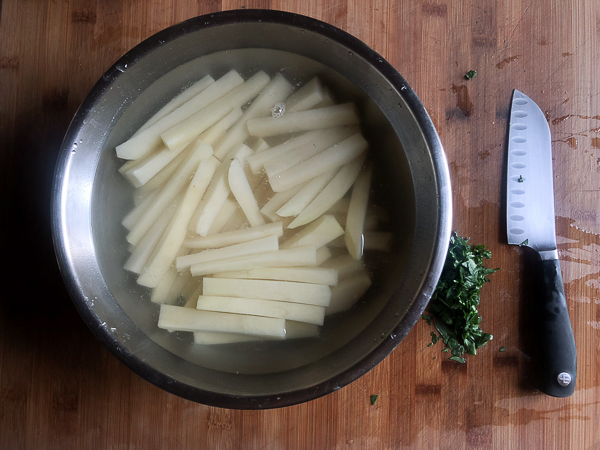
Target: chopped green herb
456	298
502	349
426	318
445	350
373	399
524	243
430	344
521	179
470	74
435	357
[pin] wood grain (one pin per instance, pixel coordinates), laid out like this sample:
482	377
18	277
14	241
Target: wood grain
59	388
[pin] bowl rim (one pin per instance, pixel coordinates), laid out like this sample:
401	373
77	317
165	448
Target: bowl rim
386	345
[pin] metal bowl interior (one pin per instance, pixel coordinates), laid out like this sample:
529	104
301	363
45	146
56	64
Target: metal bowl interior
91	197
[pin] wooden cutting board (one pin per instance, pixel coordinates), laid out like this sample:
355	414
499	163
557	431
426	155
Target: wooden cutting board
59	388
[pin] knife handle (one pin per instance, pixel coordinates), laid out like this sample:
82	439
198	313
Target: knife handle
557	353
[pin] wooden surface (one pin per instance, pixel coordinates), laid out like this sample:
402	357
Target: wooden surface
59	388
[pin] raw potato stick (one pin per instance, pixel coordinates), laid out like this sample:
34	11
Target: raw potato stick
193	298
161	291
225	213
345	266
323	254
347	293
284	291
336	189
265	308
257	161
236	237
152	166
333	157
276	91
187	319
314	275
302	256
142	252
175	234
165	174
306	195
269	243
147	140
313	119
307	97
215	132
278	200
240	188
217	193
257	144
138	211
177	287
179	100
319	233
355	222
307	151
215	338
167	195
293	330
193	126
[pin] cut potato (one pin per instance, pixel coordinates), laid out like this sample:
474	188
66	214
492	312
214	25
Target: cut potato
227	210
143	173
269	243
276	91
314	275
345	266
215	338
265	308
336	156
147	140
175	234
257	144
240	188
167	195
334	191
355	223
140	209
306	194
217	131
236	237
187	130
187	319
179	100
165	174
257	161
313	119
217	193
347	293
302	256
144	249
285	291
307	151
319	233
307	97
277	201
323	254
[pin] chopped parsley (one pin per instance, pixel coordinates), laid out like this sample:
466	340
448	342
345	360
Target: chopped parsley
521	179
374	399
524	243
471	74
454	303
502	349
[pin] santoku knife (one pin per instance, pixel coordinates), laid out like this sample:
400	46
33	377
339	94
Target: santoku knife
530	222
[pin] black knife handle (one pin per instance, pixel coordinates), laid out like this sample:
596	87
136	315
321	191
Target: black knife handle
557	358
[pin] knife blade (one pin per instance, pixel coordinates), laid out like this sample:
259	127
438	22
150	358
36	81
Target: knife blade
530	223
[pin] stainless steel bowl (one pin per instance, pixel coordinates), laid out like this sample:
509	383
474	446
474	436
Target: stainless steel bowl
90	198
